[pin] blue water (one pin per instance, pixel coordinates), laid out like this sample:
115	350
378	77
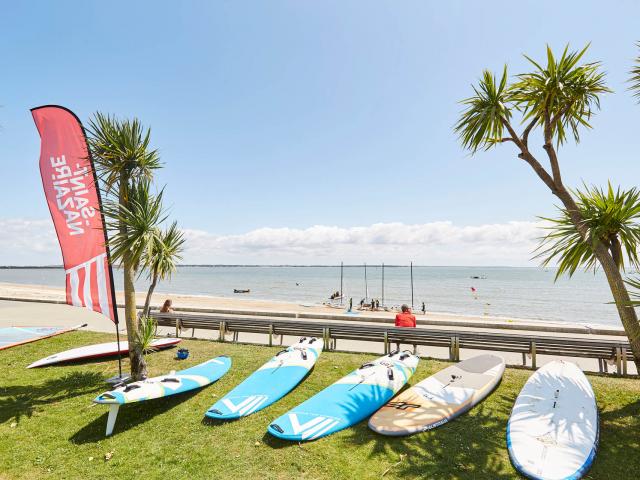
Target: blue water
503	291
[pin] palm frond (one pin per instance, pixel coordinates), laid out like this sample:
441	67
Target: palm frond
121	149
612	218
146	332
166	250
634	80
135	227
562	89
481	124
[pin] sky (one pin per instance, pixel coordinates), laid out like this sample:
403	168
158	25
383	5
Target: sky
311	132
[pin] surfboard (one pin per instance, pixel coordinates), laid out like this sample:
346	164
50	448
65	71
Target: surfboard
439	398
97	351
270	382
553	429
14	336
348	401
163	386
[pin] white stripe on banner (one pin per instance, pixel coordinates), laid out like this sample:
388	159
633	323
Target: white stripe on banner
103	298
74	280
88	301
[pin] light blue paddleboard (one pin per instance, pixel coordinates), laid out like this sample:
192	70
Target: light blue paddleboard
164	386
270	382
348	401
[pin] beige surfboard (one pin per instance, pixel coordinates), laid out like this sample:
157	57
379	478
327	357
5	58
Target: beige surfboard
440	397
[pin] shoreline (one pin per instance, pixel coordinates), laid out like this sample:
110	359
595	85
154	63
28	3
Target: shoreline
252	306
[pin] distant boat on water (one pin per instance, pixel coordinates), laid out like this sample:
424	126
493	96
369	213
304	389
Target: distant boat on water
241	290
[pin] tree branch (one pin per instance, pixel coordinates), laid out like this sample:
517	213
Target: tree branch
548	146
527	131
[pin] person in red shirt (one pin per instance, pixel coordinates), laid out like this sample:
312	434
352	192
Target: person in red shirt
406	318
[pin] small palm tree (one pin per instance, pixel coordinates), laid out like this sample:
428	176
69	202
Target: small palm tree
125	162
162	257
559	98
612	218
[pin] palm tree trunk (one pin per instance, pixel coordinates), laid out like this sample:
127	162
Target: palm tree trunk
136	358
147	302
138	364
627	313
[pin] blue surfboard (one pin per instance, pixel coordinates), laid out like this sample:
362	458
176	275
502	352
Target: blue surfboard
348	401
270	382
163	386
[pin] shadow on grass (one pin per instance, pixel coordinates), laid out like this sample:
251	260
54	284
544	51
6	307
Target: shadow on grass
17	401
619	439
472	445
129	416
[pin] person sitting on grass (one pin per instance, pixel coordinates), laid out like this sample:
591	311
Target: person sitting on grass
405	318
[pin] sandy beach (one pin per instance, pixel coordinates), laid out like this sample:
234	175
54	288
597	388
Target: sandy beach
240	305
44	305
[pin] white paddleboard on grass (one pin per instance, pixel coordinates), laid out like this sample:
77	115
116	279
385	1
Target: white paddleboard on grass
163	386
99	350
439	398
552	433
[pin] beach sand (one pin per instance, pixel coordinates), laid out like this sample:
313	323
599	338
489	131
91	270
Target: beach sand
240	303
35	309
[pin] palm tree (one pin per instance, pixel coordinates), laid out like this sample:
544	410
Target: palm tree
125	163
559	99
161	259
612	219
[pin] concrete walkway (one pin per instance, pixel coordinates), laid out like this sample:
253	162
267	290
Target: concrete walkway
14	313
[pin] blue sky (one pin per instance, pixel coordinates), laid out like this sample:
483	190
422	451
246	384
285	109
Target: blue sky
281	116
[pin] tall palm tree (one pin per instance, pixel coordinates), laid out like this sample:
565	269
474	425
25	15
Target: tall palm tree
162	258
125	162
558	98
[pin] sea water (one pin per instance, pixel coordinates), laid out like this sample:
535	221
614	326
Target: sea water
529	293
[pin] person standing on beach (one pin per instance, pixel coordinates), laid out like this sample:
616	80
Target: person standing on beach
424	308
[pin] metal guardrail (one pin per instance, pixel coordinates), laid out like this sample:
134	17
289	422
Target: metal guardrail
605	351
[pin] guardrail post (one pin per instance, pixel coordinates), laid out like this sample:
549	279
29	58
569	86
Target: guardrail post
618	361
533	355
223	329
271	334
452	349
177	328
624	360
457	349
386	342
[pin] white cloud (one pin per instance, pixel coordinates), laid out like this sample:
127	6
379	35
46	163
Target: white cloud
438	243
28	242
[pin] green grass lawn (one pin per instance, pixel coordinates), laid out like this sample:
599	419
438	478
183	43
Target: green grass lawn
50	429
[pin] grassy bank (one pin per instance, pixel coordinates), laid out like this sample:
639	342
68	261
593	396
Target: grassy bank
49	428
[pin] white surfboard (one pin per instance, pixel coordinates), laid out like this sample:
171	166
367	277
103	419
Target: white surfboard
97	351
552	433
439	398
